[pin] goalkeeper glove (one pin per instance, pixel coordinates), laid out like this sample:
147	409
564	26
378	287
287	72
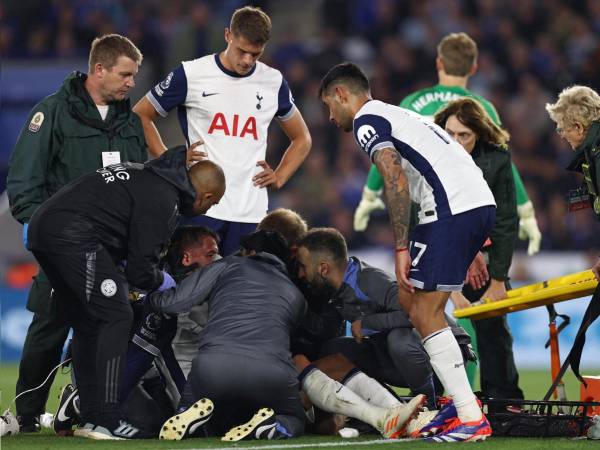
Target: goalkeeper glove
528	227
370	201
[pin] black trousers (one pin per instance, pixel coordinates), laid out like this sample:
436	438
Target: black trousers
498	372
93	296
42	349
239	386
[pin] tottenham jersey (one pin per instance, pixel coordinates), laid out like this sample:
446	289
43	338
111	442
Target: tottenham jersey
231	114
443	179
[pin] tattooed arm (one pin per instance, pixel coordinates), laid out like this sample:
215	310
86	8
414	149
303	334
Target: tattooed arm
397	197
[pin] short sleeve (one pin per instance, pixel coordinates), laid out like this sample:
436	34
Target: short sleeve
372	133
285	101
170	92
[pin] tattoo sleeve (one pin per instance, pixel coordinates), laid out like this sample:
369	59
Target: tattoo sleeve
397	194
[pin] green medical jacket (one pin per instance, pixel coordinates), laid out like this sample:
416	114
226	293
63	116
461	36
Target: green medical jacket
65	137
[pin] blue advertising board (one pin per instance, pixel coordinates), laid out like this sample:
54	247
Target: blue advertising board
529	329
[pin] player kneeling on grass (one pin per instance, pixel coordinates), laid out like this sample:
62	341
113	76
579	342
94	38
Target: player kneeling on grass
243	364
153	380
240	368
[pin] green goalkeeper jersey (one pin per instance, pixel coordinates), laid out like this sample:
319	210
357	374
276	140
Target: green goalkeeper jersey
430	100
427	102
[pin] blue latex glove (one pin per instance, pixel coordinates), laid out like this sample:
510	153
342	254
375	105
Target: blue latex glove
25	226
168	282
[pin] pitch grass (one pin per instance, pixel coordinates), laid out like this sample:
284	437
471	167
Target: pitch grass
533	383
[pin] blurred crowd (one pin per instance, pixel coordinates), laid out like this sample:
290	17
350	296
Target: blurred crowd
529	51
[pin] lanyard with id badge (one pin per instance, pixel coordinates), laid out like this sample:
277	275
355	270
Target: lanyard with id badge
582	198
109	158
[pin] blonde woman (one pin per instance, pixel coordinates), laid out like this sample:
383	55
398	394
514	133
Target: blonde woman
577	117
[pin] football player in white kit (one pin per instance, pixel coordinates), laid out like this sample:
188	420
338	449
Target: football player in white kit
418	160
227	101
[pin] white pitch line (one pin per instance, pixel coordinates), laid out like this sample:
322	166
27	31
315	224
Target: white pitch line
321	444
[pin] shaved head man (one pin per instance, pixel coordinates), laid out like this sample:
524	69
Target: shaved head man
121	215
208	180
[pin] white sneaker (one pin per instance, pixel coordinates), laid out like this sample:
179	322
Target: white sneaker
124	430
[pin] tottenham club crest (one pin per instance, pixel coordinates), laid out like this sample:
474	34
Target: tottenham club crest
365	135
166	82
108	287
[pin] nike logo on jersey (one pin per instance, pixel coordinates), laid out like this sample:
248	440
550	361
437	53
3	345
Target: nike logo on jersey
204	94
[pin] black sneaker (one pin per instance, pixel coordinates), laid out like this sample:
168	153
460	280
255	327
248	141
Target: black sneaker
185	423
68	411
29	424
263	425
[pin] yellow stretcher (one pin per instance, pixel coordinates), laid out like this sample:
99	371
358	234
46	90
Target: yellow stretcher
555	290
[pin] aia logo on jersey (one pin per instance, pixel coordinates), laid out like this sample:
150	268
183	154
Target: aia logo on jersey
233	126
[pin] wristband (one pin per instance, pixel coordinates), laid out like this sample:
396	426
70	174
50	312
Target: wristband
398	250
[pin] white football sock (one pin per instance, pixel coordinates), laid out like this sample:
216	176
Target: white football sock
447	361
371	390
331	396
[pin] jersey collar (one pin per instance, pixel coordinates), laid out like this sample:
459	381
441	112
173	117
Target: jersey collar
231	73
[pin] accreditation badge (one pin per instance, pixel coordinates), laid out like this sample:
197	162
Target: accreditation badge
597	205
579	199
109	158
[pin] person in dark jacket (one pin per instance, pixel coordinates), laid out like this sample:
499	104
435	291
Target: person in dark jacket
577	117
367	297
243	362
100	235
85	125
466	121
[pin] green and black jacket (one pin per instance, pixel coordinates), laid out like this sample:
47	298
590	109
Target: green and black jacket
586	160
64	138
494	162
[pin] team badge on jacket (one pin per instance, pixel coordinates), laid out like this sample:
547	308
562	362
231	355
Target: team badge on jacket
108	288
36	122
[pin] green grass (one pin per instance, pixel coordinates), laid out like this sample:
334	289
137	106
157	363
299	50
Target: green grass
533	383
